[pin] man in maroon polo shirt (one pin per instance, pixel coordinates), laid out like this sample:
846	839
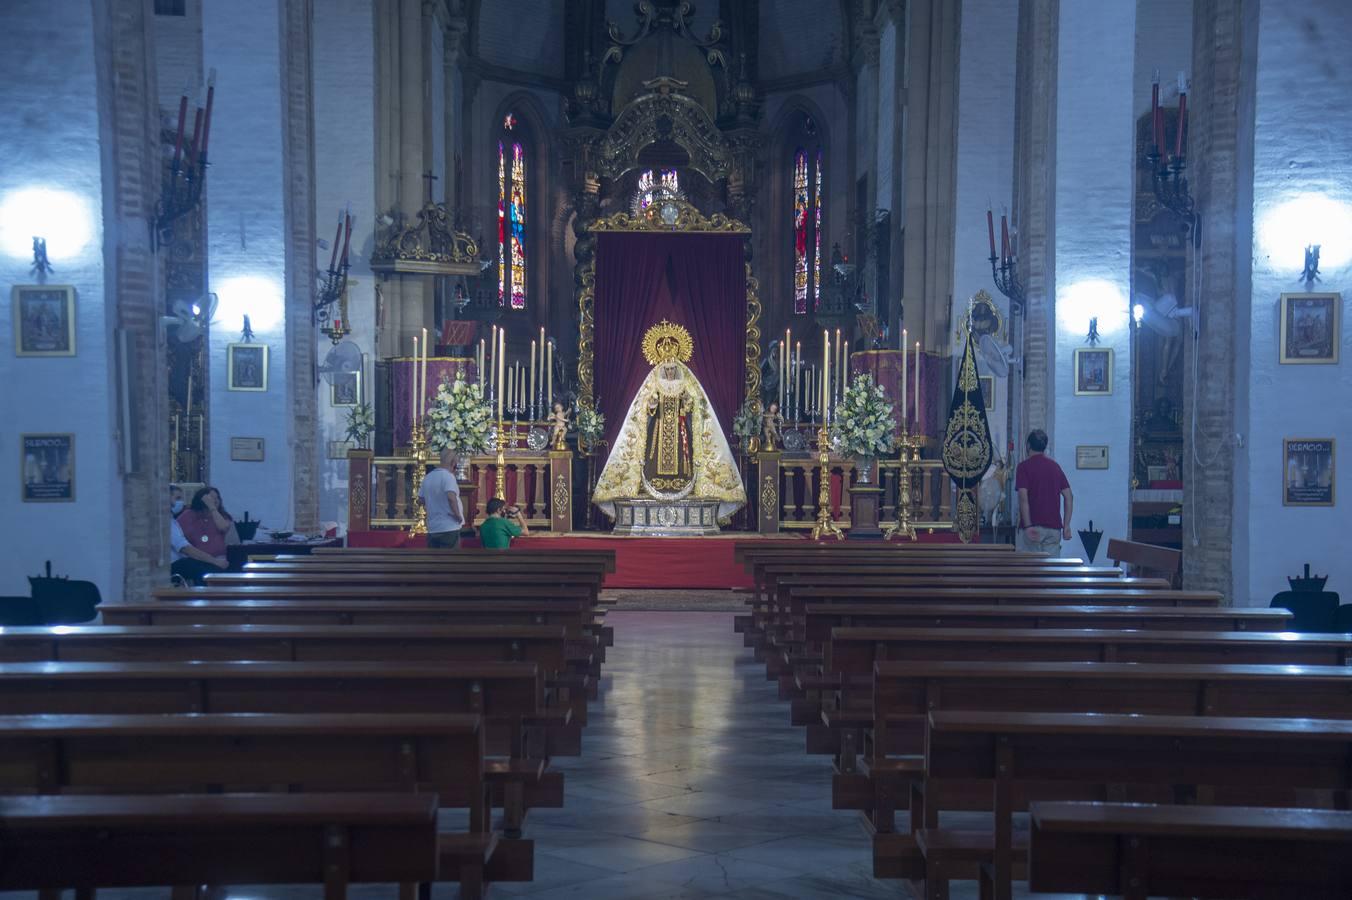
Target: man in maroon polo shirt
1042	485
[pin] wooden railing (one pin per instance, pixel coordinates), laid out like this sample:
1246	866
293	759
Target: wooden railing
381	491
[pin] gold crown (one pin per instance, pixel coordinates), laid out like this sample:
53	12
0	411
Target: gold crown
665	342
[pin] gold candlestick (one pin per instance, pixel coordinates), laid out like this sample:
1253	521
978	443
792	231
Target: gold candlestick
500	482
419	441
825	526
908	457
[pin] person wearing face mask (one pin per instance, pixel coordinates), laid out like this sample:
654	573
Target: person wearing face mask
187	563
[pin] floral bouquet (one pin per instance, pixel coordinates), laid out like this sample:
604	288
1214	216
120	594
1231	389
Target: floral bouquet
591	425
864	419
459	418
361	421
747	423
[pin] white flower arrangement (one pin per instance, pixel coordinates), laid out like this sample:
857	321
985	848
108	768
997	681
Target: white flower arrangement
459	418
864	419
747	423
590	424
361	421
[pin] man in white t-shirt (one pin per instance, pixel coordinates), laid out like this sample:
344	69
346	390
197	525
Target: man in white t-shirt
440	495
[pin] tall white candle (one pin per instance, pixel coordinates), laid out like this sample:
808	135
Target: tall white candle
783	370
422	380
839	369
904	420
538	393
917	383
549	376
497	381
413	386
532	373
826	373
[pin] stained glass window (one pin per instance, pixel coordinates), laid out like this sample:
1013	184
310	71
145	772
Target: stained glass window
800	210
809	197
511	217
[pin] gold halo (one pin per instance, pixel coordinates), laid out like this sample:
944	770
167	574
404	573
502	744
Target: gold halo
665	342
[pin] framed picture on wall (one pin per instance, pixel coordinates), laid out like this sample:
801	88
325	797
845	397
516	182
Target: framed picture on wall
44	319
1093	371
346	389
1311	328
47	473
246	367
1307	472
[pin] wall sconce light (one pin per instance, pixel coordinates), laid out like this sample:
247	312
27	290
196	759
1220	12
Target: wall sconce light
1311	271
1093	337
1138	313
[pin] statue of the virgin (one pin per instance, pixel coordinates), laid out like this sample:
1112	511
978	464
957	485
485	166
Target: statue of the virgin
671	446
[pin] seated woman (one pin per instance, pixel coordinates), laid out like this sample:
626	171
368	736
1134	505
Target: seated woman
206	525
187	563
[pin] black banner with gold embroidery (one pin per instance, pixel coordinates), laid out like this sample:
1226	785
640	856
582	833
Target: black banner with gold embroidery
967	447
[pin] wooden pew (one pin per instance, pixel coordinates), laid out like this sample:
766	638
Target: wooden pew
85	843
220	609
1148	559
906	692
748	549
821	619
1013	758
509	695
504	582
531	551
441	755
565	668
1179	851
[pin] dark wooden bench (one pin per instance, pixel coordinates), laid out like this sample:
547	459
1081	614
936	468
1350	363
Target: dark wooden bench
509	695
1004	760
1147	559
86	843
478	584
442	755
748	550
401	554
223	610
567	670
1179	851
906	692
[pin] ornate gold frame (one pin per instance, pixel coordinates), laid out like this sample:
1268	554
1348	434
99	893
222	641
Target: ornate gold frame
674	217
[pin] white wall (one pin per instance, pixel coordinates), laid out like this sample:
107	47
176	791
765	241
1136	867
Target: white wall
51	184
1094	182
1302	191
246	252
344	102
985	166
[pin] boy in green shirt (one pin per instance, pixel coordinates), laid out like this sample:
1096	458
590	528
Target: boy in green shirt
503	523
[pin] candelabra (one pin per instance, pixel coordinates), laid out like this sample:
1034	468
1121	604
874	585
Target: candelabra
1006	277
826	526
181	194
332	295
1170	182
500	480
908	457
419	441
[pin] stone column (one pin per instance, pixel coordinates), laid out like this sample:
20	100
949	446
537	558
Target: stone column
928	152
1209	495
1093	184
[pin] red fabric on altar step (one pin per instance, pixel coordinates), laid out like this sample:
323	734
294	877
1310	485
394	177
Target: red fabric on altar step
640	562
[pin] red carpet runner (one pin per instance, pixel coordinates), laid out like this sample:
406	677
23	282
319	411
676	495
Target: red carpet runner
639	562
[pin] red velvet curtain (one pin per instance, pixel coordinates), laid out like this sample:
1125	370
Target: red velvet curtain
695	280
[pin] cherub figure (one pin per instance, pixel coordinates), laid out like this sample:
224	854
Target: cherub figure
558	427
771	421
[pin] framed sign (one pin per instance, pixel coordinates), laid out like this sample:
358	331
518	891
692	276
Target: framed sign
346	389
246	449
44	319
1091	456
47	473
1308	472
246	367
1093	371
1311	328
